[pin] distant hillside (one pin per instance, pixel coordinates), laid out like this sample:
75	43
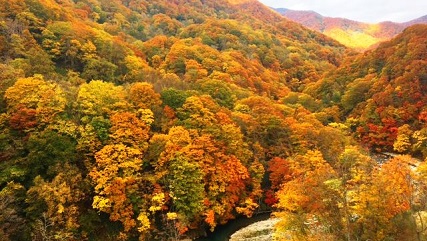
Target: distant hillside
351	33
422	20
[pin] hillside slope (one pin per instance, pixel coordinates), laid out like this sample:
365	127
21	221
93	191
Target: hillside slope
383	90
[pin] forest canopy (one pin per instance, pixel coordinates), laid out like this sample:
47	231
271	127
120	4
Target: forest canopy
138	120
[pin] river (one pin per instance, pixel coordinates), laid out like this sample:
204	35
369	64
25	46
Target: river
223	232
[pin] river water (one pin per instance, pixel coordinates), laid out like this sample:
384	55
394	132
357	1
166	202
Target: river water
223	232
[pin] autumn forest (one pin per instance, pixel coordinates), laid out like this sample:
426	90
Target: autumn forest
161	120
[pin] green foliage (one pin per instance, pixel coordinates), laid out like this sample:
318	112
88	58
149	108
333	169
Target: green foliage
219	91
99	70
185	183
47	152
174	98
101	127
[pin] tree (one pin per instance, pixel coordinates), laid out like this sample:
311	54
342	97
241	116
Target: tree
195	114
402	143
174	98
354	170
135	68
102	69
98	98
305	200
128	129
40	62
60	197
142	95
117	173
419	203
115	177
47	152
12	224
219	91
387	197
186	187
225	178
280	172
34	93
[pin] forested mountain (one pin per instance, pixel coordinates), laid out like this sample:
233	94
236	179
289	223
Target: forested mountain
383	92
139	120
354	34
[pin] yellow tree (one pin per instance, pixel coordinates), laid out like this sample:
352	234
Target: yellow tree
115	176
35	93
117	173
402	143
135	68
420	202
386	199
354	170
304	201
98	98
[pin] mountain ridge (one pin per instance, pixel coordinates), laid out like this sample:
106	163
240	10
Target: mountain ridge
352	33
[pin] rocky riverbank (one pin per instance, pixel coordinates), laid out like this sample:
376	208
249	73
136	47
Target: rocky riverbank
259	231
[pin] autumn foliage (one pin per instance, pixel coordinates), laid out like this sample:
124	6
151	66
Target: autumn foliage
135	120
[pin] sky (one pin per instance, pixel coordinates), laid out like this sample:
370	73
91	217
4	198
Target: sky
369	11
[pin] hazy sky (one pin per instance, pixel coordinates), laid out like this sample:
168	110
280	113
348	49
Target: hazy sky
371	11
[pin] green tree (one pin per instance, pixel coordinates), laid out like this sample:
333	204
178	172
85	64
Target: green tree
96	69
185	183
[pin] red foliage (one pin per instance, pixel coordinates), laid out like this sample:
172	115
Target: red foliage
379	137
270	198
279	172
23	119
422	117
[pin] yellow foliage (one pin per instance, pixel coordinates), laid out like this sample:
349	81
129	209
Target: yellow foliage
247	208
89	51
46	98
61	196
158	200
99	98
291	197
403	142
352	39
171	216
144	222
146	115
101	203
115	174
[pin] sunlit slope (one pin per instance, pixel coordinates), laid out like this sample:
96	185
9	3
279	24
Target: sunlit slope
354	39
